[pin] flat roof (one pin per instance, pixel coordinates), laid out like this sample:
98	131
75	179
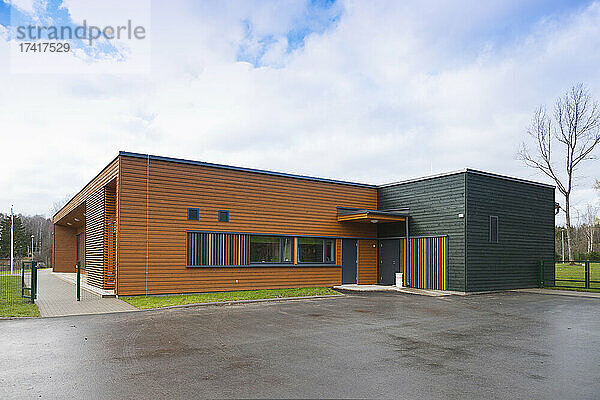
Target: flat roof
243	169
470	171
313	178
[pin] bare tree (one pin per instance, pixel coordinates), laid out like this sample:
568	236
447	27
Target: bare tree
58	204
590	224
575	126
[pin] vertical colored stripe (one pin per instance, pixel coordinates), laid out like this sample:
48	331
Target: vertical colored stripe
424	262
216	249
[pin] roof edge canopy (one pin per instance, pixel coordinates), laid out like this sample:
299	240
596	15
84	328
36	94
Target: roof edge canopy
347	214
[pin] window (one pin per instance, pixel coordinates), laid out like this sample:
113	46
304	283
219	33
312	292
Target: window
287	244
205	249
493	229
223	215
265	249
193	214
329	252
271	249
315	250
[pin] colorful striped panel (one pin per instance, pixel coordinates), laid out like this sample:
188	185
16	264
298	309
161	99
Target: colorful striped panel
216	249
425	262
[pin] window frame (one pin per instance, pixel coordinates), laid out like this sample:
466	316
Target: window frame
491	231
197	213
223	212
281	258
323	262
294	260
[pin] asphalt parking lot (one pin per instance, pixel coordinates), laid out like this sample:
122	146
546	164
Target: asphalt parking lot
501	345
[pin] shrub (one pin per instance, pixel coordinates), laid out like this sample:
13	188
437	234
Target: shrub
591	256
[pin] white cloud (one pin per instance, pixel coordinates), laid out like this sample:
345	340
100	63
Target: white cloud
390	92
25	5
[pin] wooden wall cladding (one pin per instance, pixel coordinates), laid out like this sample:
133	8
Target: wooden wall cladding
257	203
64	249
366	262
108	174
94	238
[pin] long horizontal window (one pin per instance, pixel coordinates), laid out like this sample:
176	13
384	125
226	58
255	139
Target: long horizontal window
315	250
224	249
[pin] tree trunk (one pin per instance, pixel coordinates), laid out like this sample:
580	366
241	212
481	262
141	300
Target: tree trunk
568	223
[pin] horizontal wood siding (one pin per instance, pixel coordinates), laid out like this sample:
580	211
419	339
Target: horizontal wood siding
434	205
94	238
526	232
64	249
366	262
109	173
257	203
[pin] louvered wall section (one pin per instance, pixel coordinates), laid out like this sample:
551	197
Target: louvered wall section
110	220
94	238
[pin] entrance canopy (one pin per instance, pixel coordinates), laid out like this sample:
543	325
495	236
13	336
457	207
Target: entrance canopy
346	214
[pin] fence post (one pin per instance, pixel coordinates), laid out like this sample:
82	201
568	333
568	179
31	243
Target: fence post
22	279
33	281
587	274
78	280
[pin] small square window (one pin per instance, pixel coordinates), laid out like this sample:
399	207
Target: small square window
223	215
193	214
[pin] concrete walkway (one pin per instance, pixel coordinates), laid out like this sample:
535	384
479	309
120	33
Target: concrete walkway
391	288
71	277
57	297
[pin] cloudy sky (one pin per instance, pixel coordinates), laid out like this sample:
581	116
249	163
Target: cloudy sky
357	90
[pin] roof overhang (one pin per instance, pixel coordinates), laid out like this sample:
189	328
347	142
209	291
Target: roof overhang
345	214
74	219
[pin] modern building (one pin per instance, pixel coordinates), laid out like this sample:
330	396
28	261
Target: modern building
150	225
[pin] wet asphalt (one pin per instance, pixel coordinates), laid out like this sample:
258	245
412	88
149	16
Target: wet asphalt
502	345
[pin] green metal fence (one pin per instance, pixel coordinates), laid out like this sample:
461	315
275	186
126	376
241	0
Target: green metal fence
570	274
29	280
18	284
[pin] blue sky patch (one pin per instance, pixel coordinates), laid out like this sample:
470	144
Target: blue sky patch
48	15
317	17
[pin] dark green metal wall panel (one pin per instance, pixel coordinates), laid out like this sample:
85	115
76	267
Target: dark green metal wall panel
525	227
434	205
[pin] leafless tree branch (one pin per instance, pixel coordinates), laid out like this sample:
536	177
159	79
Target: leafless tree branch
575	124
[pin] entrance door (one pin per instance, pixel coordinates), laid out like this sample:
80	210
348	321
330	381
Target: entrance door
348	261
389	261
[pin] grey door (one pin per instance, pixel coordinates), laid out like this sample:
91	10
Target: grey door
349	261
389	261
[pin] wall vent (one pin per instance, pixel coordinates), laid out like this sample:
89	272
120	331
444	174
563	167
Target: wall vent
193	214
223	215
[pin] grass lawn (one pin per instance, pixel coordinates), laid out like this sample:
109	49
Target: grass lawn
566	273
145	302
11	303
